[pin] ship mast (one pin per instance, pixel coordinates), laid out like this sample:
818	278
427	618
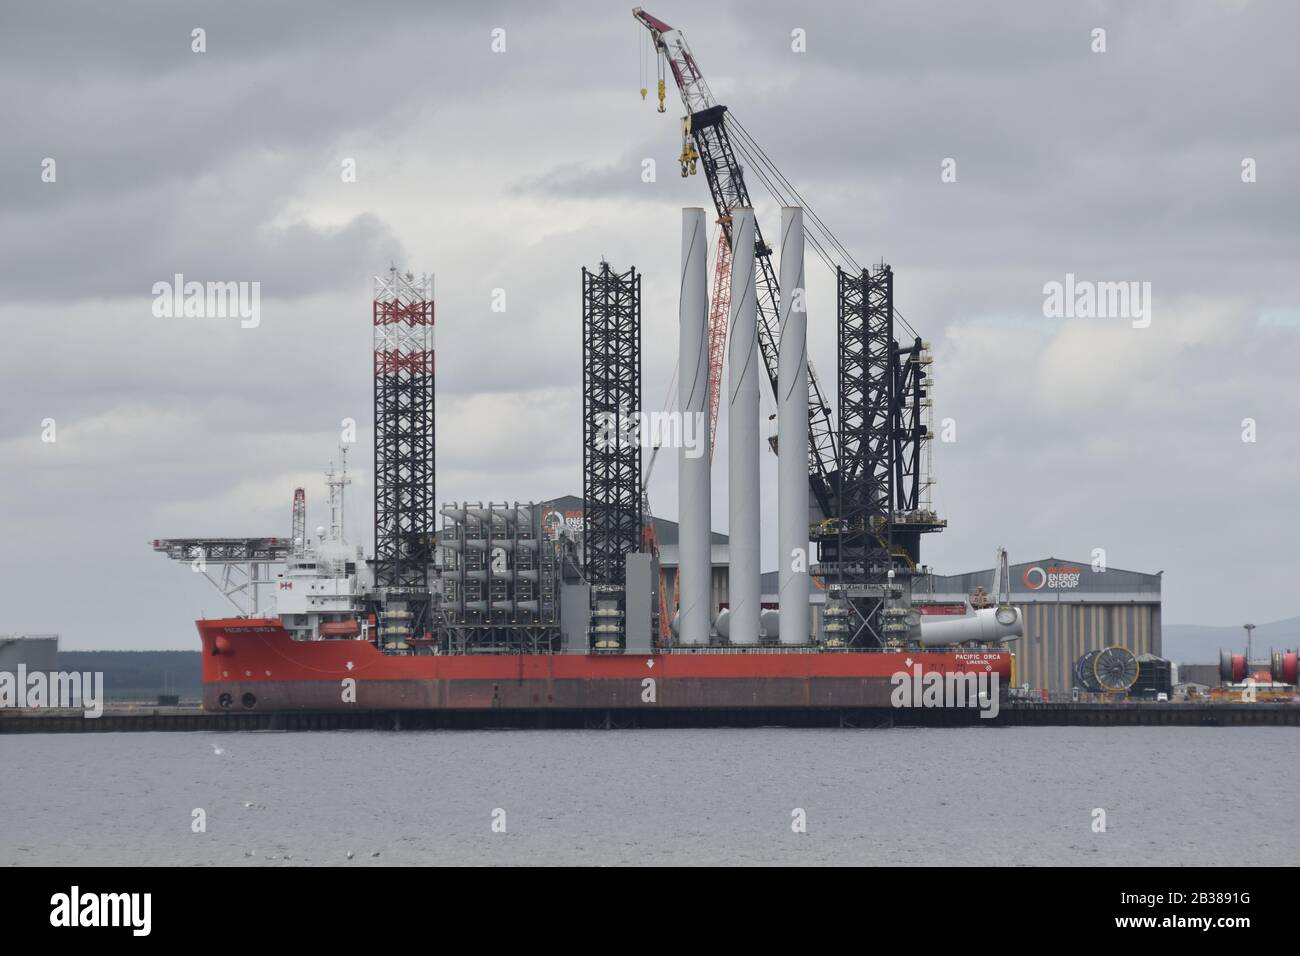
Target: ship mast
336	483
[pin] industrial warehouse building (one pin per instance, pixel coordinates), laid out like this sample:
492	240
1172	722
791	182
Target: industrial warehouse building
1069	609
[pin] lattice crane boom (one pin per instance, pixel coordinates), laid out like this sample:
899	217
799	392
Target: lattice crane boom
719	308
706	139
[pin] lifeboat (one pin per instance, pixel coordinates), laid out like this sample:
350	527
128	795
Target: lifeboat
340	629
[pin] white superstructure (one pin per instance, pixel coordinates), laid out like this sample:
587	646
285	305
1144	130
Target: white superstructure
318	595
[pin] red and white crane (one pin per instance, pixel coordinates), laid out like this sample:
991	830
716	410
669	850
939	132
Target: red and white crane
712	137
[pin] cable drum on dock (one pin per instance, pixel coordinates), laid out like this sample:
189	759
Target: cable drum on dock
1116	668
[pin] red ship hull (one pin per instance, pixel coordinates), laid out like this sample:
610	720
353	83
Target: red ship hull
253	664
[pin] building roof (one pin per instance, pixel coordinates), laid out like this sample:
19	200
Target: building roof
665	530
1056	578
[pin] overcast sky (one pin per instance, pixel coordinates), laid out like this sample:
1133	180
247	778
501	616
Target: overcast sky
513	169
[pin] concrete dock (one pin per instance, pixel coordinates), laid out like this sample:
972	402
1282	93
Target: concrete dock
119	719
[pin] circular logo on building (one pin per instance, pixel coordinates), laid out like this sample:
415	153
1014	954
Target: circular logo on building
554	524
1035	577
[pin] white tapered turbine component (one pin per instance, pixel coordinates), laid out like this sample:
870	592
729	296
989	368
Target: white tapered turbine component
695	568
792	434
744	582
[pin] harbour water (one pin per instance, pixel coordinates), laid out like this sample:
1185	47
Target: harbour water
977	796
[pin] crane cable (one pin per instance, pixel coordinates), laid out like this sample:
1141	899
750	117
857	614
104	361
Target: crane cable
763	165
641	40
761	162
759	169
812	238
795	192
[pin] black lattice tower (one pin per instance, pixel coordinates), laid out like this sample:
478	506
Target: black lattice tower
911	399
611	395
908	426
860	551
404	436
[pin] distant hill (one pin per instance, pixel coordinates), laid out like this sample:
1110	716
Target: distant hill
141	675
1199	644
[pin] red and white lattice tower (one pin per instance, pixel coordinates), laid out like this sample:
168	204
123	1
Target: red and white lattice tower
404	436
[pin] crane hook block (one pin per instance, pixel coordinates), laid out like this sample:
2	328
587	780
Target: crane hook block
688	158
662	94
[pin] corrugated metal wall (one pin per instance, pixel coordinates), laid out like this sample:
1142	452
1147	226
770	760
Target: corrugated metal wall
1057	634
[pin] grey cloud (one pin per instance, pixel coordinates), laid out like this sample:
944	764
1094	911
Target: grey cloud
512	171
